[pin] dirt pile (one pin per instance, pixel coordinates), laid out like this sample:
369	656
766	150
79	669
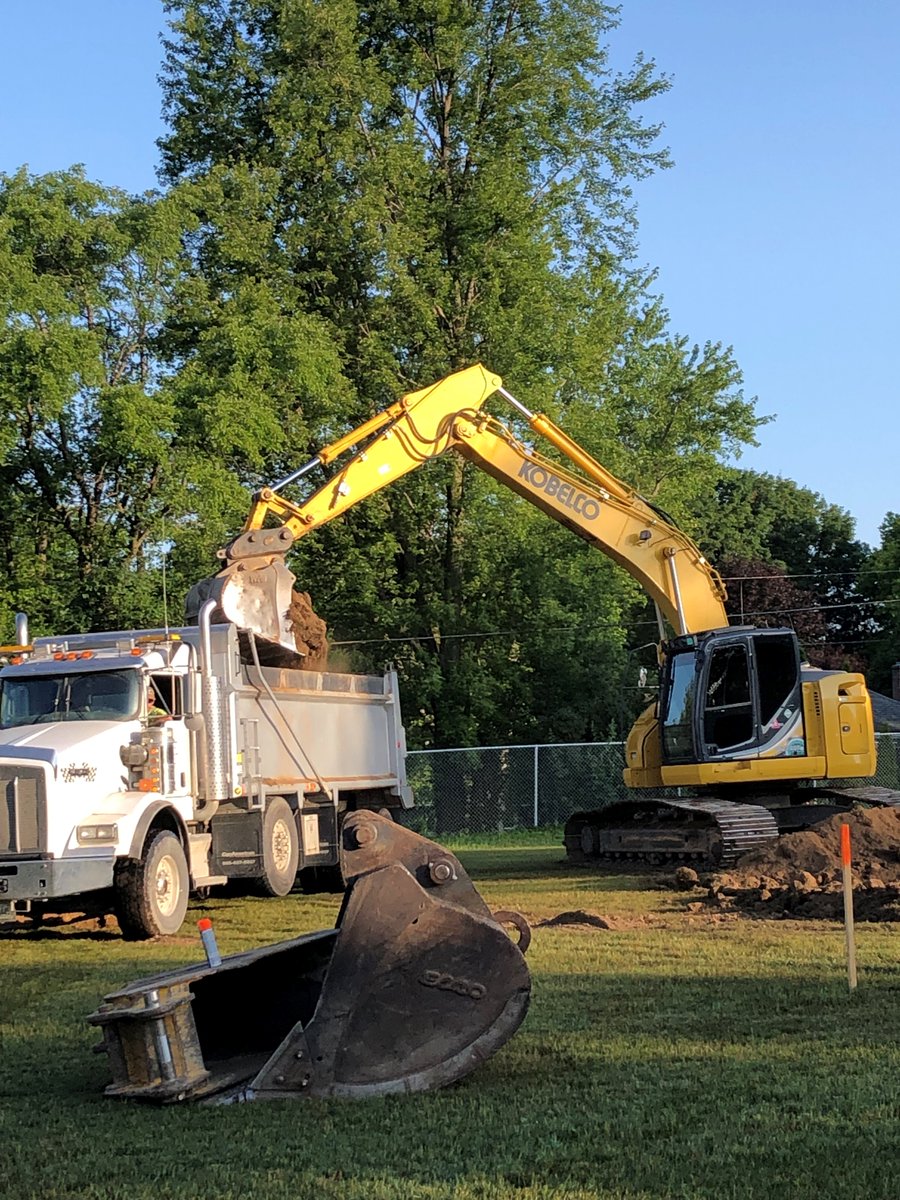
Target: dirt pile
310	632
799	875
310	636
580	917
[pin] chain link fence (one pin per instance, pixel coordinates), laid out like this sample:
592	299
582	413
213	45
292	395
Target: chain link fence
493	789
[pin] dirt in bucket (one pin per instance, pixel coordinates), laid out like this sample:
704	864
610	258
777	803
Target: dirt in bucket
310	632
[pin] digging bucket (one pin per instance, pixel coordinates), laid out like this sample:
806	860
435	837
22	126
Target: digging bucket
415	986
252	594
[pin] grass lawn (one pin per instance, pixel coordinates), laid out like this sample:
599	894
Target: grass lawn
675	1055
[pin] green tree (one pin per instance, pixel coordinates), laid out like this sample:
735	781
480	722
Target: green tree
122	444
440	185
83	277
808	543
880	583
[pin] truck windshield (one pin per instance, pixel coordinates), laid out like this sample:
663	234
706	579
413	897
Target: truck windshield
92	696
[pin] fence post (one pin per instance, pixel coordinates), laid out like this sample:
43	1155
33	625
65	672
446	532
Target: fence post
536	748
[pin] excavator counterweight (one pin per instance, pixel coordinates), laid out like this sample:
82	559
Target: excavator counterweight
414	987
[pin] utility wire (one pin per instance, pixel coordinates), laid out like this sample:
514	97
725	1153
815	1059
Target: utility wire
811	575
473	635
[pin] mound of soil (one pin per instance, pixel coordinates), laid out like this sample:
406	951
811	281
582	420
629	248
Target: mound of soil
799	875
310	632
580	916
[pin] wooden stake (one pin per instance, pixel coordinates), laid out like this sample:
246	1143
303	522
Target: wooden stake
848	906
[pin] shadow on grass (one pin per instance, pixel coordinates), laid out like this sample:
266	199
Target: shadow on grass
61	932
550	866
513	863
622	1083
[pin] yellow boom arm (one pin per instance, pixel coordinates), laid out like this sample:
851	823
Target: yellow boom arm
449	416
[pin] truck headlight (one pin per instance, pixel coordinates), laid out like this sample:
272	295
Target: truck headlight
89	835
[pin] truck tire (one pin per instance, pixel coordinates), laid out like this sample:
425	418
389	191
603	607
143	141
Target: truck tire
152	891
281	848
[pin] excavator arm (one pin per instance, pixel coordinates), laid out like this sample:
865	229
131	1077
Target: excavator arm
253	589
782	723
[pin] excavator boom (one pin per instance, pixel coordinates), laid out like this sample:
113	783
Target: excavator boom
254	585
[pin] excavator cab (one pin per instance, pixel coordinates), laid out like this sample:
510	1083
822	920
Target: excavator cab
731	693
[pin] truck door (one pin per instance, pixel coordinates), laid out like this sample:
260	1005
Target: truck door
172	737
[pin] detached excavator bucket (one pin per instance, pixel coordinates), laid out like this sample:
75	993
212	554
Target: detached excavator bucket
415	986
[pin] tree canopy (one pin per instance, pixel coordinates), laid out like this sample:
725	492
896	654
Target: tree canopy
357	200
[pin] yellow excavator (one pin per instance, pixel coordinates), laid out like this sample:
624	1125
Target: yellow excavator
744	734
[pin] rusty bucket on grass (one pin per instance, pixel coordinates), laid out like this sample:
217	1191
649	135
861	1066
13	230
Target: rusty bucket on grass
415	986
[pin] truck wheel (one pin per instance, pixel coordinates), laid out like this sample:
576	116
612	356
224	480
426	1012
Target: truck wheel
281	848
152	891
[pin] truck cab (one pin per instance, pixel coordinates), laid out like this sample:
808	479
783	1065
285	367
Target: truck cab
73	809
234	771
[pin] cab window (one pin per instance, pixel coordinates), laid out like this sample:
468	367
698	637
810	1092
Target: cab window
677	721
86	696
728	716
778	670
167	690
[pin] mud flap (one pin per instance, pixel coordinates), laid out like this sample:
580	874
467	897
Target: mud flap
416	985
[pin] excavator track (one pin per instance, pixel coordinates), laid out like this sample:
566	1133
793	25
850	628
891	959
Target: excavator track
877	797
705	833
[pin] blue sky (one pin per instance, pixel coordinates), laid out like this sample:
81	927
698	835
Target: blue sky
776	232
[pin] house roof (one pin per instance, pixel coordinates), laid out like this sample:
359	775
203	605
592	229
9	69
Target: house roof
886	713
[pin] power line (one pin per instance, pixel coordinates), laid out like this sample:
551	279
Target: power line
812	608
810	575
490	633
851	642
473	635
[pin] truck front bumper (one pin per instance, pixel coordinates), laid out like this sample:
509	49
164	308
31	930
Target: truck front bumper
28	880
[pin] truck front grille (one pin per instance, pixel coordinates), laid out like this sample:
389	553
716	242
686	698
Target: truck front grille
22	805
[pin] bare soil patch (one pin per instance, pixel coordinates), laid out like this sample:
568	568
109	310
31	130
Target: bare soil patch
799	875
580	917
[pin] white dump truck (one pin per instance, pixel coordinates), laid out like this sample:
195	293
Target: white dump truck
138	766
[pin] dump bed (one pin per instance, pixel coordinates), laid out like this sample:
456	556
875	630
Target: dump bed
312	728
